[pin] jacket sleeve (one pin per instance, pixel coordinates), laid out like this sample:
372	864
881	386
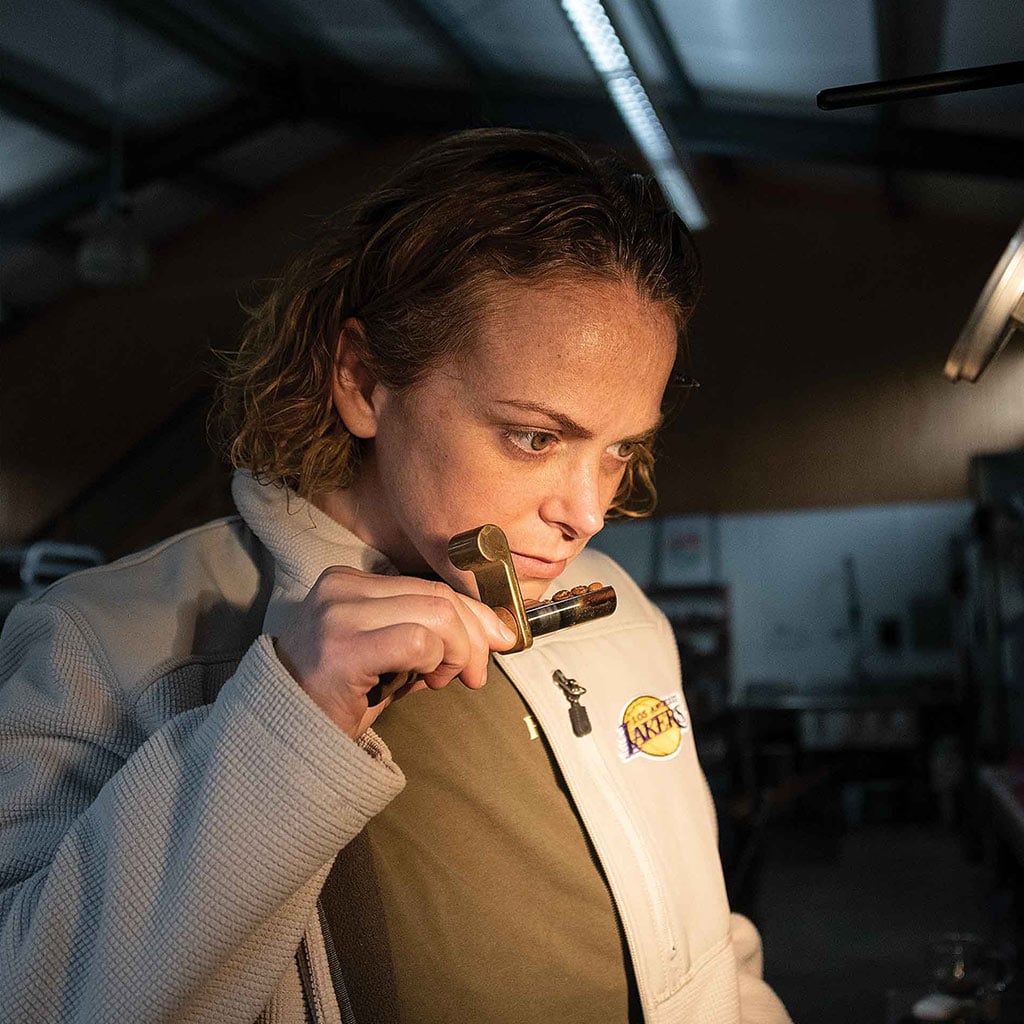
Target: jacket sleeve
758	1003
168	877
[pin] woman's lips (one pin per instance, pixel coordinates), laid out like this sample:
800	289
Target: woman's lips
531	568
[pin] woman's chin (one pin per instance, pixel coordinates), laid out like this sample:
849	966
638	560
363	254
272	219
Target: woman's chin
532	589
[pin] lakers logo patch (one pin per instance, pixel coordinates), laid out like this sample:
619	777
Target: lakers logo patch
652	727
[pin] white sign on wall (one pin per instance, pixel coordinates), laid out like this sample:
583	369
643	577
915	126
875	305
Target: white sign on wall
686	551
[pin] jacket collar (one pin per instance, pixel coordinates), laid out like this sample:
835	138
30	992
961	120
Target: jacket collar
303	540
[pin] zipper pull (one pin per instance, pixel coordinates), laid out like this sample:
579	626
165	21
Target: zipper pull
572	691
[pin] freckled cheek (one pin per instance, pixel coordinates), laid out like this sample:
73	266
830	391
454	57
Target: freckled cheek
464	490
611	478
509	496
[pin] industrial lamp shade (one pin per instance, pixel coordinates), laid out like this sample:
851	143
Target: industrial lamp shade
997	316
113	254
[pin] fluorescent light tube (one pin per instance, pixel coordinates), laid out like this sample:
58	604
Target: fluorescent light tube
601	42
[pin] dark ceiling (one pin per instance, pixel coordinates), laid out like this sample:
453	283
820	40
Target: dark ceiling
222	98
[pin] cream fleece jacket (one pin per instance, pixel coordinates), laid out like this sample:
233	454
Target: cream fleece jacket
171	802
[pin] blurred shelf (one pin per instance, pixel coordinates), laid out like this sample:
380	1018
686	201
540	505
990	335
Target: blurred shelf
696	590
704	622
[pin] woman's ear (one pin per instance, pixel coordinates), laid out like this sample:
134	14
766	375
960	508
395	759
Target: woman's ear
354	384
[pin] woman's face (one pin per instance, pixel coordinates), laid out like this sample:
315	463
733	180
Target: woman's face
532	431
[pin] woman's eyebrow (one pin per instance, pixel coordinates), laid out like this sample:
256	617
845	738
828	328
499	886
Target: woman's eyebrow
647	437
569	425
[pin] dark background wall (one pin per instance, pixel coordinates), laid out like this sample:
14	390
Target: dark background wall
94	376
819	342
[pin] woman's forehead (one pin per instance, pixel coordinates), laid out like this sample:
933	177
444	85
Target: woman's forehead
568	318
572	346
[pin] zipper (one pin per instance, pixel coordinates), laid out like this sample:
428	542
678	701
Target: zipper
334	967
309	986
572	691
580	720
655	890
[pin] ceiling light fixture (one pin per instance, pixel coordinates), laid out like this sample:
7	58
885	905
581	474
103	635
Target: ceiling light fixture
604	48
113	253
997	316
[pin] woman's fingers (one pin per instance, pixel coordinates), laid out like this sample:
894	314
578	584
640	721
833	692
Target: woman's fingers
354	627
466	645
404	647
351	583
500	637
430	636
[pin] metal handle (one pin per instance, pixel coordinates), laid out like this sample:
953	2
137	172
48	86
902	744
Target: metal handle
485	553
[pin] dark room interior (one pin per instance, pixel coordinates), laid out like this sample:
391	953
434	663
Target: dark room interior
839	537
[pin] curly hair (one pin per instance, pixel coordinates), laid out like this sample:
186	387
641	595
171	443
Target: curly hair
412	263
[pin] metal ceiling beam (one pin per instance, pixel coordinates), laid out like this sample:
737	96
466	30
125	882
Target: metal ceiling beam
172	153
307	65
286	41
891	52
386	109
194	38
317	72
803	139
288	67
283	38
686	93
809	140
908	41
909	37
61	107
447	34
382	108
48	101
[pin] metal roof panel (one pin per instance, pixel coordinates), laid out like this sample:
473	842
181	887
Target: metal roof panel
263	159
372	35
787	48
33	159
77	41
533	39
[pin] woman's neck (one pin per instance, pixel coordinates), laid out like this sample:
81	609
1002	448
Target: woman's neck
362	510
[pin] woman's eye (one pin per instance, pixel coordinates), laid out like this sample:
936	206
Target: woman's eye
624	450
531	440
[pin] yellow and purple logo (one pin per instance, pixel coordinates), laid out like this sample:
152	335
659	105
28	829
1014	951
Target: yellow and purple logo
652	727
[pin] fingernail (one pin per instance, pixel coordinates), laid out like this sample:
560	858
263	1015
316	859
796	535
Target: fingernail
508	635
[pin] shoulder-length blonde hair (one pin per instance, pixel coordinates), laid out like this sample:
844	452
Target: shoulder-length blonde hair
412	263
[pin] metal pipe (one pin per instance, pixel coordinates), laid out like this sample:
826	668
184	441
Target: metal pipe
916	86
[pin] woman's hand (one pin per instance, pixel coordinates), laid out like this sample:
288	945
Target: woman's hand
354	626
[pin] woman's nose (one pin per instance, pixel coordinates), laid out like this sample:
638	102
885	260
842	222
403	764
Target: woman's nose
576	504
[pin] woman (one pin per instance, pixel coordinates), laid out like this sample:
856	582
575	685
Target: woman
202	817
